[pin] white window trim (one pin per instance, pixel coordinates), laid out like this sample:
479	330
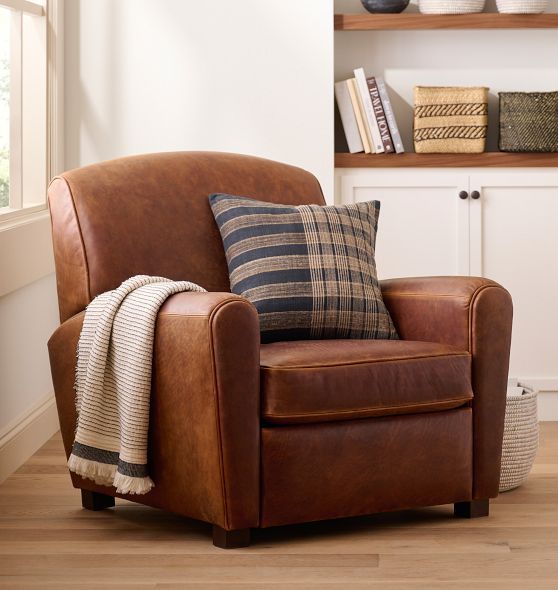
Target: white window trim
16	122
55	88
54	13
24	6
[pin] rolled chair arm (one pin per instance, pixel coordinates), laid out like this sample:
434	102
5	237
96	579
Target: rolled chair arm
473	314
204	417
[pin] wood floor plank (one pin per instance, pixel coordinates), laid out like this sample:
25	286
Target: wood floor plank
150	545
48	541
35	584
373	584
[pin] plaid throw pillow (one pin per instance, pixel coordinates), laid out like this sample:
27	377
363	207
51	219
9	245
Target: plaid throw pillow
308	270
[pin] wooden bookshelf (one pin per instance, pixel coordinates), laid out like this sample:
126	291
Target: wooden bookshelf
378	22
414	21
411	160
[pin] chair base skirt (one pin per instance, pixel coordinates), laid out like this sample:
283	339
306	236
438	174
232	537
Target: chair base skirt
339	469
334	470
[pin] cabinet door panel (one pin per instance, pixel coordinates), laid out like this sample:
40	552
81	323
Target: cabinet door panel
423	227
517	221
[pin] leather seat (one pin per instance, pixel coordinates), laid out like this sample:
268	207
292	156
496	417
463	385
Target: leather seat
320	381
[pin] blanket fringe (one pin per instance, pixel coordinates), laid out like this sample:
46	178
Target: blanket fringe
132	485
106	475
101	473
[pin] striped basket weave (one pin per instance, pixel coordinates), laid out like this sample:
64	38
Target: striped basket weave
522	6
450	120
450	6
521	439
528	122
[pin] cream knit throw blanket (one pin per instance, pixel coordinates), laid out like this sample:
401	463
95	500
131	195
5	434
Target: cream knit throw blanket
113	383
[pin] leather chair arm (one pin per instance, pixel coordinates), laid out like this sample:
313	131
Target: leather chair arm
204	417
473	314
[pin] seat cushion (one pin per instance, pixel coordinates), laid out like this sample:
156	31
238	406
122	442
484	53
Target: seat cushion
308	270
324	380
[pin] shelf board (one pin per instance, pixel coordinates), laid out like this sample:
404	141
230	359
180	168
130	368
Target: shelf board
411	160
378	22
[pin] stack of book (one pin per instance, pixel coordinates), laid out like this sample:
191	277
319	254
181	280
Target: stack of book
367	115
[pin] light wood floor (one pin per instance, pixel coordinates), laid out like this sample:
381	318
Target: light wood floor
48	541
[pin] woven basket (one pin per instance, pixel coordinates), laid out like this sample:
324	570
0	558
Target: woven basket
450	120
450	6
522	6
521	439
528	122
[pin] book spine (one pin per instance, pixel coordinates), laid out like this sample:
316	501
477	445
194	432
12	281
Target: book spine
362	112
348	117
353	93
380	116
370	118
390	116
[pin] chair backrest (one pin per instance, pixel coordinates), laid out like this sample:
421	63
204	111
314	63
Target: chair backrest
150	215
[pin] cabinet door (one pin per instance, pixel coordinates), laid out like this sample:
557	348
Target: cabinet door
424	225
514	240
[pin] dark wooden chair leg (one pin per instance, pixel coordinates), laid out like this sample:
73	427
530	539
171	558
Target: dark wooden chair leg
95	500
230	539
472	509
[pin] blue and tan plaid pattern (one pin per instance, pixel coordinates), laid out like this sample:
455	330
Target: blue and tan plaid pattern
308	270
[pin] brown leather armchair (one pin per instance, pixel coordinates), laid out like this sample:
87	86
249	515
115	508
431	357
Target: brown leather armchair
245	435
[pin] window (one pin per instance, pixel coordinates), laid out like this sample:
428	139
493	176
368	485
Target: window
23	107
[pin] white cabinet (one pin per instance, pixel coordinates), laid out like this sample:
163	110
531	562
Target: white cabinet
509	234
424	225
514	240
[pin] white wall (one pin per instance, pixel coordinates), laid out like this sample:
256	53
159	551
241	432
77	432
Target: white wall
248	76
28	316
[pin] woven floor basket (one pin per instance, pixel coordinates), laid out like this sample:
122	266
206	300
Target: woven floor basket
522	6
521	439
450	6
528	122
450	120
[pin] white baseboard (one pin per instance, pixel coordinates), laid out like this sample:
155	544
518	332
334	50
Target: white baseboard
548	406
25	435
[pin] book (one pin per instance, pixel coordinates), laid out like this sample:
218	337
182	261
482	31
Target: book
348	117
360	108
370	118
390	116
380	115
353	93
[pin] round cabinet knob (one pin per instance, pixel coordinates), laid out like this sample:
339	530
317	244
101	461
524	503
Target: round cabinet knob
475	195
463	195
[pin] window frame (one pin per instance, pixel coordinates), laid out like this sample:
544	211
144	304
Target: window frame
26	253
17	213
